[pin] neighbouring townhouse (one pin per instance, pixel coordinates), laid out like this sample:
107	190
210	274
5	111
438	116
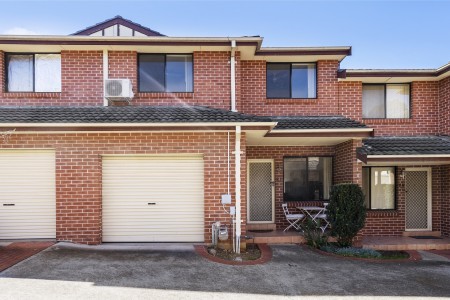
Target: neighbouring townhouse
118	133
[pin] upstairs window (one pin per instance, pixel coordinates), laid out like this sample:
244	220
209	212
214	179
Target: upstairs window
291	80
386	101
165	73
307	178
33	72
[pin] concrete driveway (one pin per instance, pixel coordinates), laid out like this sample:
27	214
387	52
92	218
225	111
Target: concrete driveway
174	272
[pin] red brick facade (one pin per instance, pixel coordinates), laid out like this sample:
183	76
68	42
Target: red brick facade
79	155
79	173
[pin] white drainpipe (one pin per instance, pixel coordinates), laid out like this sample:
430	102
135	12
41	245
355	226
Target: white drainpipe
237	155
105	75
233	76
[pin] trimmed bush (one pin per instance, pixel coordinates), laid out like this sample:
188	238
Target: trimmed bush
313	234
346	212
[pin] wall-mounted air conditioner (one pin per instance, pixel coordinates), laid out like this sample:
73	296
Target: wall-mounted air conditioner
118	89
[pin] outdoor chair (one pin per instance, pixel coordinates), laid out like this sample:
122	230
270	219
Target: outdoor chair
323	217
293	219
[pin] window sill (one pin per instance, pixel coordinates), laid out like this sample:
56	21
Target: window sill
165	95
31	94
382	213
291	100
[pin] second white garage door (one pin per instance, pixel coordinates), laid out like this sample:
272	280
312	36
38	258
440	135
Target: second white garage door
153	199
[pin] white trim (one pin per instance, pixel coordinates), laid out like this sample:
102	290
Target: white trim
429	198
233	75
323	130
105	74
237	169
272	162
408	156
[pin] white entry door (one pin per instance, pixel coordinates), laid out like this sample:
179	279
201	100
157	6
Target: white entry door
418	199
261	188
153	199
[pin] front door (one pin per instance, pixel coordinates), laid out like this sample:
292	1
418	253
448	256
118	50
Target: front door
260	191
418	199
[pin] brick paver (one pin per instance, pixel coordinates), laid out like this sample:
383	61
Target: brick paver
16	252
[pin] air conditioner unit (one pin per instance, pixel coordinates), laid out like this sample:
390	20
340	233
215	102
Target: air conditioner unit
118	89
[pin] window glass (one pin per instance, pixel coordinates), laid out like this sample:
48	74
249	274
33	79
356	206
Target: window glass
397	103
307	178
151	73
48	73
278	81
381	192
373	101
303	80
20	73
366	185
179	73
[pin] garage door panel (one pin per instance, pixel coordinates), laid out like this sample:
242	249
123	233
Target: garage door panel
27	180
174	184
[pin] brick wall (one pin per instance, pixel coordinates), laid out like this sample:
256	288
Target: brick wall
444	106
445	200
350	99
254	99
347	169
78	173
392	222
424	114
277	153
82	81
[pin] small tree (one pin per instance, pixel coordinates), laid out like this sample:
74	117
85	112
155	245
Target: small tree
346	212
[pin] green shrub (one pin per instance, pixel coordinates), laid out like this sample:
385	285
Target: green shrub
313	234
352	252
346	212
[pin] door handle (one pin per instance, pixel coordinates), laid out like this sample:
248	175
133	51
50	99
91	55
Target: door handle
151	203
8	204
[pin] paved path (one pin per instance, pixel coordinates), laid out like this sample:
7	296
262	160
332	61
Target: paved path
13	253
179	273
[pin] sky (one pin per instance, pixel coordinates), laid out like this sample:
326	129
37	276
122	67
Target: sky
383	34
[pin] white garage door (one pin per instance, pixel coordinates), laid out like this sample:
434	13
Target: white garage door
153	199
27	194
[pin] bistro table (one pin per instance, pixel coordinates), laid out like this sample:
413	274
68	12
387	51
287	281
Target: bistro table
312	211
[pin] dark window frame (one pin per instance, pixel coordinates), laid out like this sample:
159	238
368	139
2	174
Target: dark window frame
307	175
385	99
290	83
370	188
5	57
165	66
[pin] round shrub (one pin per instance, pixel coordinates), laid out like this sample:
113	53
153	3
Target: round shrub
346	212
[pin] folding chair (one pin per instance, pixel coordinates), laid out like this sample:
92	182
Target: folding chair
292	219
323	216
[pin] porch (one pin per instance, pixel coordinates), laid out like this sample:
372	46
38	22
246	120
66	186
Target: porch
420	241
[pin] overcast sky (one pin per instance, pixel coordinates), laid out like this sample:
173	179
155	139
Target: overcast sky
383	34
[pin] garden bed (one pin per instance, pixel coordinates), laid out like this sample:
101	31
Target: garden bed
369	254
254	255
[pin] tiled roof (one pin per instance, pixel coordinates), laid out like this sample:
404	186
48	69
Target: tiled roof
123	114
414	145
118	20
316	122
